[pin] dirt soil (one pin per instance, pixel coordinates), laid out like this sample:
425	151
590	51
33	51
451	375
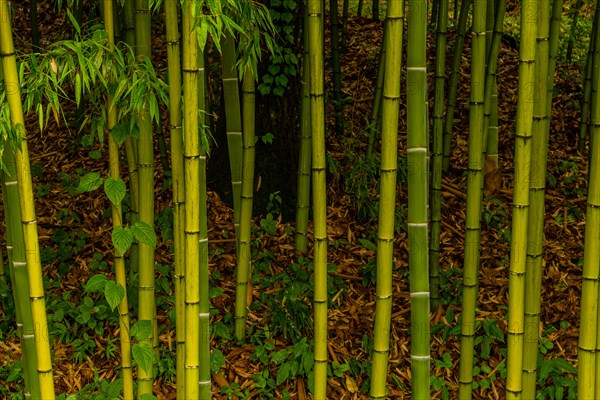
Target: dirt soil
55	153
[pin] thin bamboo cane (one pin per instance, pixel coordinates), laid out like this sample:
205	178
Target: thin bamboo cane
474	199
387	198
376	109
589	90
245	252
537	188
233	122
452	89
15	250
28	217
147	300
520	220
417	124
337	69
345	12
304	159
317	111
176	141
437	150
569	53
117	215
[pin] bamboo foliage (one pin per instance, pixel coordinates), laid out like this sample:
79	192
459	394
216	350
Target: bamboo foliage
416	81
522	160
319	190
28	217
387	199
474	198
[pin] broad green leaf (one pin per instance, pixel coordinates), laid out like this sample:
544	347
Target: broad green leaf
122	239
283	373
280	356
115	190
217	360
114	293
148	396
144	233
143	355
96	283
367	244
142	329
91	181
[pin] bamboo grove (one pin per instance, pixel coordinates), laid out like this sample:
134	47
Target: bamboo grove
219	47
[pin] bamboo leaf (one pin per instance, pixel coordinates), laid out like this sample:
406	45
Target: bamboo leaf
114	293
77	89
90	182
115	190
142	329
96	283
143	355
122	239
144	233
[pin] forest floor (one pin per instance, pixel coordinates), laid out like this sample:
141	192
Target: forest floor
75	241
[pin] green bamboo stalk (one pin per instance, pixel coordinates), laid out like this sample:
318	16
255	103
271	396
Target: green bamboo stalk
345	12
337	69
452	89
147	301
15	250
376	109
360	7
117	216
375	10
192	155
319	190
437	150
387	198
245	251
435	11
569	54
588	92
204	316
176	142
233	122
522	160
18	274
304	159
417	125
587	369
33	24
490	139
28	217
537	189
474	199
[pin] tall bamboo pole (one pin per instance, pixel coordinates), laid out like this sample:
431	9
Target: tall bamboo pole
588	369
453	85
28	217
437	150
319	190
176	141
537	188
417	124
117	216
192	155
304	159
17	264
337	69
520	220
245	251
387	198
474	198
147	301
